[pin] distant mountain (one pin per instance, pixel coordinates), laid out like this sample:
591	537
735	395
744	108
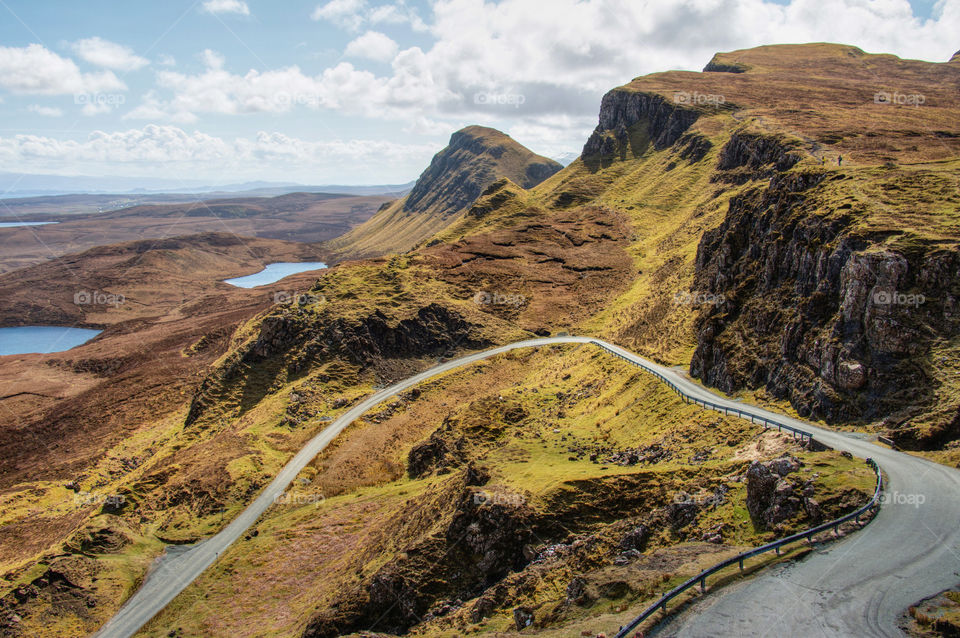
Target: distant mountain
16	185
476	157
566	158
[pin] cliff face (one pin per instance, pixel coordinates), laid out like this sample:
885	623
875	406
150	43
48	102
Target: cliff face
835	283
835	317
662	122
475	158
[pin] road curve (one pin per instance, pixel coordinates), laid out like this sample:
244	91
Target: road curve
855	587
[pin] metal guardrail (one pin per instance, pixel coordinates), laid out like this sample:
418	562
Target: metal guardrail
727	410
701	578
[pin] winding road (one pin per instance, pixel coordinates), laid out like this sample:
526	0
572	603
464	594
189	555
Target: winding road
855	587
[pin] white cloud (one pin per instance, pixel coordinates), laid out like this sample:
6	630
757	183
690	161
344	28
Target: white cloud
226	6
553	135
353	14
410	89
397	13
374	46
153	108
92	108
166	60
420	125
36	70
175	151
46	111
211	59
560	61
109	55
345	13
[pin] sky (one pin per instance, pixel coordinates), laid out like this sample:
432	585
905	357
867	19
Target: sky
366	91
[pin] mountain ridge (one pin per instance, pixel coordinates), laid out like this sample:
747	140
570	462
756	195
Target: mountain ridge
475	157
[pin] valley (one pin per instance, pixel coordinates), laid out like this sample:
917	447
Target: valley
514	479
301	217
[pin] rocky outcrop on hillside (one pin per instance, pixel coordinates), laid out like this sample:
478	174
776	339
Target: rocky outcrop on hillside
772	498
295	339
482	539
718	65
475	158
817	311
620	110
754	155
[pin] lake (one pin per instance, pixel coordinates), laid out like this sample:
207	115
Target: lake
274	272
16	224
42	339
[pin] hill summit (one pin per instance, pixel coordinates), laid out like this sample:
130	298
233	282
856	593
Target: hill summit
476	157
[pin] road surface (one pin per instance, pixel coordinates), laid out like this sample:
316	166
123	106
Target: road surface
856	587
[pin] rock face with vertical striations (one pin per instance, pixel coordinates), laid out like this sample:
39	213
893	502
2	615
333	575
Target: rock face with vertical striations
476	157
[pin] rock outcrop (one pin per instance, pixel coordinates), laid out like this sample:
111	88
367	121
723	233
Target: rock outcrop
476	157
293	339
772	498
661	123
816	310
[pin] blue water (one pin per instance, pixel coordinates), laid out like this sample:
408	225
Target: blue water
15	224
42	339
274	272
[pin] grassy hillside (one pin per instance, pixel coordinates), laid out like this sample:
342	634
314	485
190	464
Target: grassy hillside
721	235
475	157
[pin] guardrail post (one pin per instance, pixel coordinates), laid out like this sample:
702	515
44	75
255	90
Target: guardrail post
777	549
741	564
703	584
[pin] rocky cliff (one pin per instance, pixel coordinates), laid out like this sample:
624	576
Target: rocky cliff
662	122
820	308
476	157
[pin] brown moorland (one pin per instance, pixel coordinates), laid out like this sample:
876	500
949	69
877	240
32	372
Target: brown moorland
702	234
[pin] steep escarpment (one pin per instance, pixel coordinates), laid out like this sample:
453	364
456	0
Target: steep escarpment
800	234
661	121
823	306
476	157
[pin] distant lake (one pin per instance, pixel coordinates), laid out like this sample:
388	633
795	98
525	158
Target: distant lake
15	224
42	339
274	272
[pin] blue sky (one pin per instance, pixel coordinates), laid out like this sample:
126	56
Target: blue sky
365	91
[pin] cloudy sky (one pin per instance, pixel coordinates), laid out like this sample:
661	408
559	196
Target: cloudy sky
365	91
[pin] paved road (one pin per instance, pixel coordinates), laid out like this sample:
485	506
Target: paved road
857	587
